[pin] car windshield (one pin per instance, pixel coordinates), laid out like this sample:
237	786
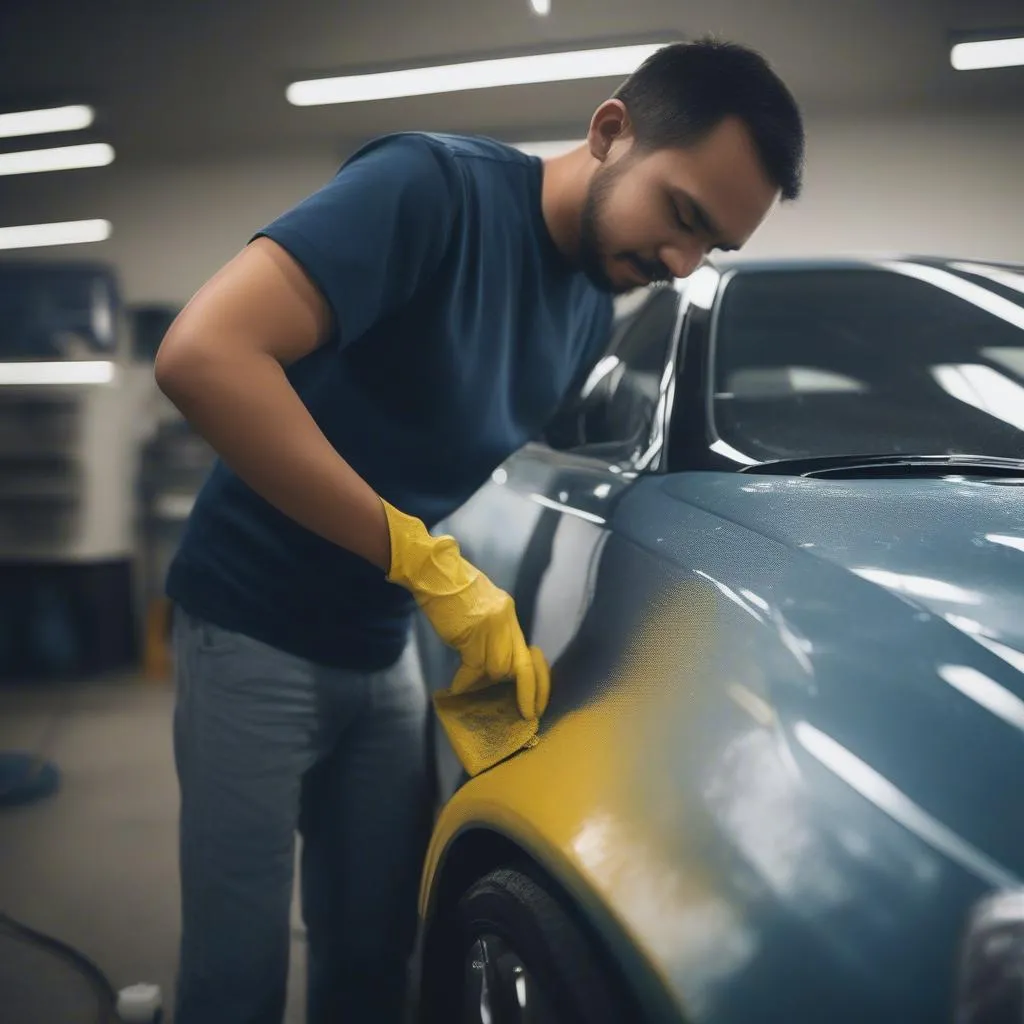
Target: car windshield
56	312
899	357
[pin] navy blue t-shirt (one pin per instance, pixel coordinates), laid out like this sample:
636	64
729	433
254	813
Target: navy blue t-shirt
458	329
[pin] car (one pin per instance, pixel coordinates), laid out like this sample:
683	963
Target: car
773	549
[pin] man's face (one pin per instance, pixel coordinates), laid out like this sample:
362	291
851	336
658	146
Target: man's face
656	215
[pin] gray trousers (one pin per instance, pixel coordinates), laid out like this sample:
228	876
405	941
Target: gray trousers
268	745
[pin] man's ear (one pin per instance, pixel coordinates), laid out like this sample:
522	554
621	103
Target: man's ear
610	124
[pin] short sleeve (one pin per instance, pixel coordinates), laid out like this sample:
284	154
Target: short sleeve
379	228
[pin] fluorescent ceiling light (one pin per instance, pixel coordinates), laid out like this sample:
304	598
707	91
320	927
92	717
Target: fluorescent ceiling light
42	122
72	371
541	7
480	74
62	158
68	232
988	53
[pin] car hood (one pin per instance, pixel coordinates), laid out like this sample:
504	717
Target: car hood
784	748
952	548
895	611
870	635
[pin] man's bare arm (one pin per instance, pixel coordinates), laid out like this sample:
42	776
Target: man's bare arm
222	364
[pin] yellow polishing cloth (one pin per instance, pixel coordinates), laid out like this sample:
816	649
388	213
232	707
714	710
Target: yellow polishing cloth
483	723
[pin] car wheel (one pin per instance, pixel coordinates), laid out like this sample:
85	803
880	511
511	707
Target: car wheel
515	956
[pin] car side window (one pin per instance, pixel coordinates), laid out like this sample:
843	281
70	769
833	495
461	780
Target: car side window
615	409
901	358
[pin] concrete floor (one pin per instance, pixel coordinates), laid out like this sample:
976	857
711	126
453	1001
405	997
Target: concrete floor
96	865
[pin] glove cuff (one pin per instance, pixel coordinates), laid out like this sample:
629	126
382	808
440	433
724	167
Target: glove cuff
410	540
420	562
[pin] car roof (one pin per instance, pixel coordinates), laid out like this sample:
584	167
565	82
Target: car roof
749	264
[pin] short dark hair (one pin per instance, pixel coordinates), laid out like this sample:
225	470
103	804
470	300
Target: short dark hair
683	91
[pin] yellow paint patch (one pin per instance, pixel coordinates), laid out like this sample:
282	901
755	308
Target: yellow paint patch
596	793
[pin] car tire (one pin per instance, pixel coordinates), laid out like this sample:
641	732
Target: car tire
506	927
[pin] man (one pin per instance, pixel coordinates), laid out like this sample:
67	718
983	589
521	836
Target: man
362	366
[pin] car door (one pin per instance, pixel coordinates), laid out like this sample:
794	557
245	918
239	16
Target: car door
537	528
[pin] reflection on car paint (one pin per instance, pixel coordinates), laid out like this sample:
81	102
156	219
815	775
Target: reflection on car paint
874	787
917	586
986	692
1009	542
973	293
560	506
782	758
566	590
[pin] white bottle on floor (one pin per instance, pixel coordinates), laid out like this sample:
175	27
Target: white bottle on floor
140	1004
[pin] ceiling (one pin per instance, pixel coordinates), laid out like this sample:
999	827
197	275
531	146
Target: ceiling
196	77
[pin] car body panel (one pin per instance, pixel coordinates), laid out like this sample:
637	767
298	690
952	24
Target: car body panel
783	756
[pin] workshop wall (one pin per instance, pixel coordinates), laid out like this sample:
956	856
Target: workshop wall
173	225
936	184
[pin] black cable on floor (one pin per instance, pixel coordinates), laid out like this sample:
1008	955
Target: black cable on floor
104	990
101	984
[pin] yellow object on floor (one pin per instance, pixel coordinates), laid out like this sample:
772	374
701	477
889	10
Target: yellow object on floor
156	652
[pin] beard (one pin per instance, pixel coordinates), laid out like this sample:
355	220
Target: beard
592	256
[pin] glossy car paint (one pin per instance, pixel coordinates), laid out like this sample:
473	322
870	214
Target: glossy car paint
783	757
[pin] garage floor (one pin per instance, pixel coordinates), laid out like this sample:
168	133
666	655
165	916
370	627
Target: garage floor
96	865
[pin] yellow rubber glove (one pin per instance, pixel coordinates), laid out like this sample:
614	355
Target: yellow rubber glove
468	612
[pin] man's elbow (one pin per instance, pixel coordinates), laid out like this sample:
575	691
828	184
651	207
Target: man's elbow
178	364
166	368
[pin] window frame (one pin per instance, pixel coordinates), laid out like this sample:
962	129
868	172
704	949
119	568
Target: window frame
712	451
647	455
